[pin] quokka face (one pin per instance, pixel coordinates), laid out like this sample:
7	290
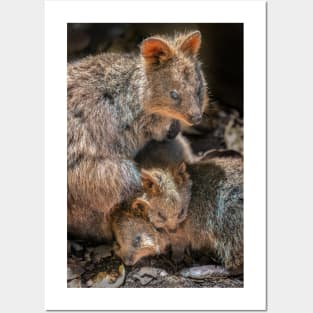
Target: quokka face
167	196
135	236
175	83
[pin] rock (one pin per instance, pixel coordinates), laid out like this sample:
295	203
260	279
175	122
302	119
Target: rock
149	271
90	266
205	271
234	135
146	274
100	252
163	273
108	280
77	249
144	280
222	114
76	246
75	283
74	270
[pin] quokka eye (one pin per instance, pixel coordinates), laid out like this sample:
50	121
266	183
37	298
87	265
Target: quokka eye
136	241
150	185
174	95
199	91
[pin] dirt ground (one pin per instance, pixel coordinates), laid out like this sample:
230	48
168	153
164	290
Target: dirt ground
96	266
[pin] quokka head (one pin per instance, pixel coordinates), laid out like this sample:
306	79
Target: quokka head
135	236
167	196
176	87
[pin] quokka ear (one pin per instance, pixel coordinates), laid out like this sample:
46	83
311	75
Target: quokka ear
191	45
149	182
179	173
155	50
140	207
181	168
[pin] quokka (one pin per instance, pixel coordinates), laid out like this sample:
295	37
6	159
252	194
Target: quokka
116	104
162	169
214	223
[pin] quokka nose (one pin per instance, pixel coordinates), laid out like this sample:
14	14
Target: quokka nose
196	119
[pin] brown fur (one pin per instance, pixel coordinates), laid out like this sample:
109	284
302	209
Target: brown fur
167	193
135	237
167	153
214	222
165	181
88	224
116	104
